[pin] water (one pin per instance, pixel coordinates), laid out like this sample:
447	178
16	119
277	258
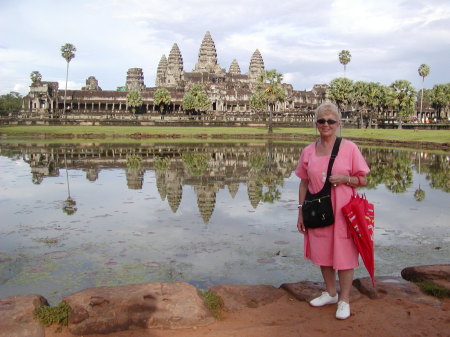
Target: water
78	216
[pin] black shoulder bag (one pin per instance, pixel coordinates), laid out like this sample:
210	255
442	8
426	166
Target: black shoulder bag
317	208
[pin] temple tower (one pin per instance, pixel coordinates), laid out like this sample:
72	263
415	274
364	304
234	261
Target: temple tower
234	68
135	80
91	84
174	67
161	72
256	65
207	57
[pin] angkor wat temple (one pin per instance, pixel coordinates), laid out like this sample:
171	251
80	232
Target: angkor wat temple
229	91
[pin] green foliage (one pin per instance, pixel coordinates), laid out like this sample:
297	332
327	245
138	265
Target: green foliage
269	84
419	195
68	52
433	289
134	100
341	91
438	173
213	302
53	315
267	184
403	98
345	57
269	92
35	76
162	163
196	99
439	97
11	102
258	101
69	206
424	70
389	167
134	161
257	162
162	98
196	163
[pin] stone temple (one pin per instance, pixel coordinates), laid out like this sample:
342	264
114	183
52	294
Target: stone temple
229	90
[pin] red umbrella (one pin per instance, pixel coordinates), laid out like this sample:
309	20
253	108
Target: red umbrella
359	214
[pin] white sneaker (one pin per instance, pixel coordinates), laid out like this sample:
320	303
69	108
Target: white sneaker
324	299
343	310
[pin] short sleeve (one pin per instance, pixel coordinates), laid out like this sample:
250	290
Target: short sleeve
359	165
301	170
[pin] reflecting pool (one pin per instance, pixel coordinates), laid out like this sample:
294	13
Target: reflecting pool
83	215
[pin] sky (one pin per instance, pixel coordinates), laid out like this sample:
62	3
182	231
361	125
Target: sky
388	39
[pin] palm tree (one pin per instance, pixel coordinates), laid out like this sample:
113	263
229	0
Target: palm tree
361	98
344	58
35	76
341	92
162	98
403	99
270	90
196	100
68	53
423	70
134	100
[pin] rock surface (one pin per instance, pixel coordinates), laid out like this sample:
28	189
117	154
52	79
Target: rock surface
395	308
395	288
141	306
16	316
307	290
438	274
238	297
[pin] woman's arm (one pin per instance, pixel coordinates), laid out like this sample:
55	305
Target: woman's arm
303	187
354	181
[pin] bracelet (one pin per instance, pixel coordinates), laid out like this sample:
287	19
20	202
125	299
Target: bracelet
299	206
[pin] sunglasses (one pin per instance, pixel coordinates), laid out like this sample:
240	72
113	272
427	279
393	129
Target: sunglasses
329	121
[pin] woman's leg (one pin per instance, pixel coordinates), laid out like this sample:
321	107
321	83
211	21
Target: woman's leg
345	283
329	276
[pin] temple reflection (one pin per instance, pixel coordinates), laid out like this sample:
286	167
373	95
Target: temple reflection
211	167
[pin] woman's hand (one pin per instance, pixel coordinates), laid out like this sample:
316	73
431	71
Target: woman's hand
338	179
300	225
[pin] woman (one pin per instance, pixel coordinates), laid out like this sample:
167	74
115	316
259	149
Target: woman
332	248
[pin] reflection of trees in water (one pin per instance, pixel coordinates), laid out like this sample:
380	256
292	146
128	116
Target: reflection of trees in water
394	168
196	163
69	206
438	173
134	172
211	167
389	167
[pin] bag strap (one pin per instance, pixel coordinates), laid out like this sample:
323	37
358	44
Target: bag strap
334	153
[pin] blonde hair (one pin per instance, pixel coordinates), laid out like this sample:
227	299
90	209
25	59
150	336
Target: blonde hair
328	108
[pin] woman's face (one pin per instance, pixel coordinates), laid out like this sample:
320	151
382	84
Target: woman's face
327	124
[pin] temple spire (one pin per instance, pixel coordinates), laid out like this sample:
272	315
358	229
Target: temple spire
174	66
161	72
207	56
234	67
256	65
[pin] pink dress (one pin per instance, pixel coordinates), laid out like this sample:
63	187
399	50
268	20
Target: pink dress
332	246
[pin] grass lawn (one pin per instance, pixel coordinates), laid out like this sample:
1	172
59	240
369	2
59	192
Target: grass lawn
435	136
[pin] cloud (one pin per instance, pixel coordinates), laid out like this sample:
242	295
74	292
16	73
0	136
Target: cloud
388	39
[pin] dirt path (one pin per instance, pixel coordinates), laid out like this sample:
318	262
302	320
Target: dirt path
288	317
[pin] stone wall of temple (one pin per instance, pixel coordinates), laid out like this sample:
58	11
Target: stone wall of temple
229	91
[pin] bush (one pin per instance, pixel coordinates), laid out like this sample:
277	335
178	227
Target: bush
49	315
214	303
